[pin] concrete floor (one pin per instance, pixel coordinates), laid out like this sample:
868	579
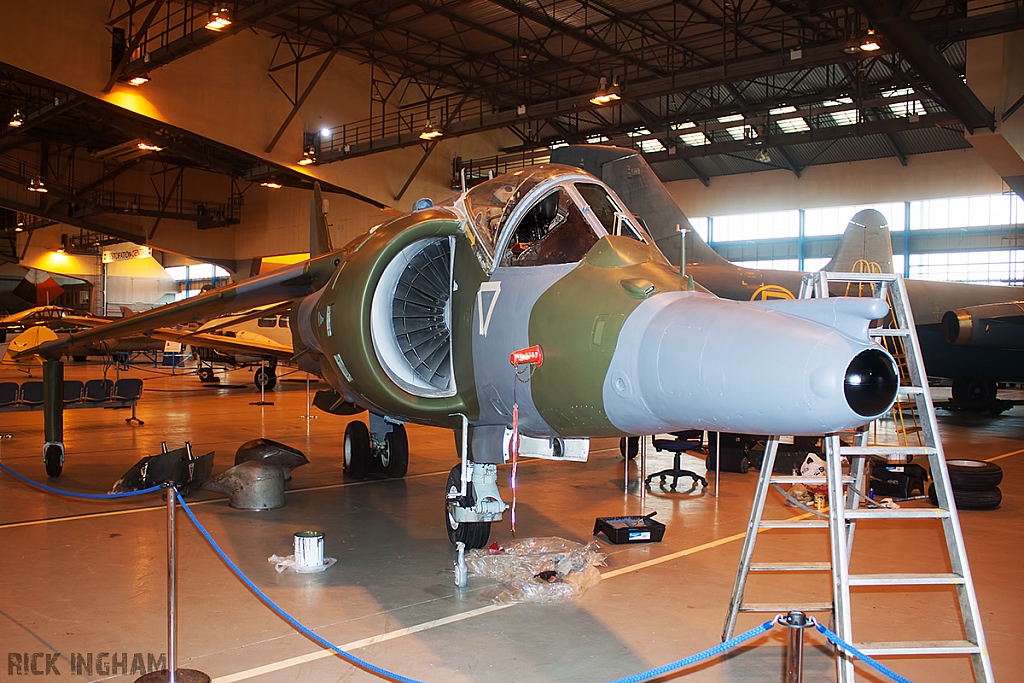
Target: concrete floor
89	577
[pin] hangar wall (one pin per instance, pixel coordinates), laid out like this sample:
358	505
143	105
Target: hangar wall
955	173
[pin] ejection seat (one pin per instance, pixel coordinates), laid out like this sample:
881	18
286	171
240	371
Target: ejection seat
681	442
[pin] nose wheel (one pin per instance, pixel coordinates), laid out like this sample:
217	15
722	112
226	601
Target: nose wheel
473	534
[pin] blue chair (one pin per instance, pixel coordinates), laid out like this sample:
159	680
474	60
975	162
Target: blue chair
73	391
8	393
681	442
128	390
98	390
32	393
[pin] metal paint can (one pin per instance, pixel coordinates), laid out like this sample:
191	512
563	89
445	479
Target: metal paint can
309	549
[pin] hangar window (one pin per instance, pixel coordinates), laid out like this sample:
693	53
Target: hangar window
553	230
267	322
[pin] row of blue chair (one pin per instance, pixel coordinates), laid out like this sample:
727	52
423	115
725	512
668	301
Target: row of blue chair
97	393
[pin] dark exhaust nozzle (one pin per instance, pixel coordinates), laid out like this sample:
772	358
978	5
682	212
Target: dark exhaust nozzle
871	382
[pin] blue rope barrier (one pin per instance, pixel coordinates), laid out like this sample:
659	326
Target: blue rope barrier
873	663
721	648
73	494
384	673
274	607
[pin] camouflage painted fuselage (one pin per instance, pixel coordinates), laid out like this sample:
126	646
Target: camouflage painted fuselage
419	318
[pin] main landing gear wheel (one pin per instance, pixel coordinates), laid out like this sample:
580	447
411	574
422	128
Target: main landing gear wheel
265	378
358	453
206	375
53	458
629	446
395	456
974	390
473	534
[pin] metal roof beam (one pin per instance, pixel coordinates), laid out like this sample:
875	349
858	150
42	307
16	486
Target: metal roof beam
911	43
197	39
814	135
752	67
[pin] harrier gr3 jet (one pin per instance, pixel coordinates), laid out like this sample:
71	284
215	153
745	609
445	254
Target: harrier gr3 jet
420	320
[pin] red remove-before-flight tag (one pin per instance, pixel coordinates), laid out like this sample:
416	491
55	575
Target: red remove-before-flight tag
532	355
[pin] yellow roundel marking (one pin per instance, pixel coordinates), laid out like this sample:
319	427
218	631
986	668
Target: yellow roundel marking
766	292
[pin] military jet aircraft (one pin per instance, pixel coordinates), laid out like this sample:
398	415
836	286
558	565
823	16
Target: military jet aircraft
975	367
63	320
535	299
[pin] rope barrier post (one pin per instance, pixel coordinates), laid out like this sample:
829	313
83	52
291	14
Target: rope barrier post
309	410
262	374
172	674
796	621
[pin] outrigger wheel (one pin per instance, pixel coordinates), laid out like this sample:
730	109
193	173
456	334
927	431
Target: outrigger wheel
473	534
266	378
53	458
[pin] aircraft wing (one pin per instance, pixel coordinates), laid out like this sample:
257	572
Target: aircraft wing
226	344
290	282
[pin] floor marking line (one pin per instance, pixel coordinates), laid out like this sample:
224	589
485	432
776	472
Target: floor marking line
357	644
320	487
84	515
112	513
688	551
1004	455
428	625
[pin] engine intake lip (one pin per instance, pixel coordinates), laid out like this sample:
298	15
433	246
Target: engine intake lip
871	382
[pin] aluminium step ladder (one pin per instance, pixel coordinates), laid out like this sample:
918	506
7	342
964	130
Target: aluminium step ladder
847	504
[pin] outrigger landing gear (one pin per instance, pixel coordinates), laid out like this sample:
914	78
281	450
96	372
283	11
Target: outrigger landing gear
383	447
265	376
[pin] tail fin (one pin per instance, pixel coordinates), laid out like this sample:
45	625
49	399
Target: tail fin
626	172
319	235
867	241
31	337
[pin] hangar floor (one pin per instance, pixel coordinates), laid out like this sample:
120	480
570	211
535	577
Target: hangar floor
88	577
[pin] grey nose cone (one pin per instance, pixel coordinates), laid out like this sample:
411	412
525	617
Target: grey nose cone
252	485
272	453
870	384
691	361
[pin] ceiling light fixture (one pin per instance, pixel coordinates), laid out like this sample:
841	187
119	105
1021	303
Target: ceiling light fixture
763	157
17	120
149	147
37	185
273	184
870	42
430	131
308	155
605	94
138	80
219	19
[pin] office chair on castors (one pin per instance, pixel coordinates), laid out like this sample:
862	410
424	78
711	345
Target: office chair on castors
681	442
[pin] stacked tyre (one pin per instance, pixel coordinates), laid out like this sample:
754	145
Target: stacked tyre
975	484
